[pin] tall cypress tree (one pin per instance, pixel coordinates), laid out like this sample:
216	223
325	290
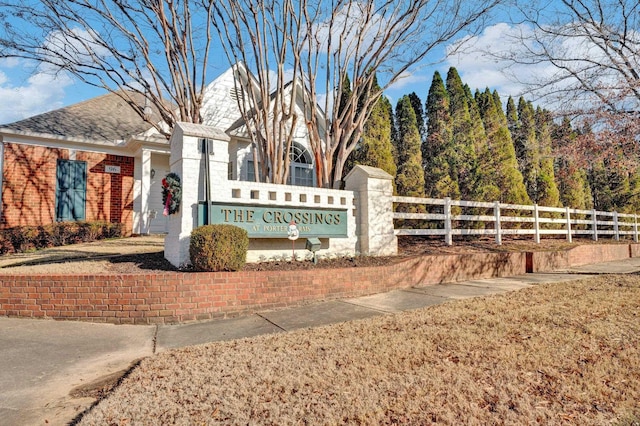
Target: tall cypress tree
437	149
463	163
512	119
572	180
410	177
375	147
498	163
610	187
477	132
523	131
548	194
416	104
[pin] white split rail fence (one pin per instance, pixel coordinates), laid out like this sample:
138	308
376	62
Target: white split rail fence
521	220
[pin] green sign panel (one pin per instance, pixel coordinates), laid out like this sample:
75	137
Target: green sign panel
274	222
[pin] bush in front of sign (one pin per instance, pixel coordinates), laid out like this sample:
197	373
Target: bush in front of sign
218	248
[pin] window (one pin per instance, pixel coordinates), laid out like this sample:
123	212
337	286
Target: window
71	189
301	172
251	171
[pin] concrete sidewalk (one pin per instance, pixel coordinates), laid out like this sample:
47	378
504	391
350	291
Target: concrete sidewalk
43	361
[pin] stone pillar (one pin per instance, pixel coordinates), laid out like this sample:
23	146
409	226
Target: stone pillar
186	162
374	210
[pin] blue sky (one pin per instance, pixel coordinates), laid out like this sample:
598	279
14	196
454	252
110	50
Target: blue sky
26	91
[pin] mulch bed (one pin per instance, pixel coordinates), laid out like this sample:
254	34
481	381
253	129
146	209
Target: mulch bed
407	247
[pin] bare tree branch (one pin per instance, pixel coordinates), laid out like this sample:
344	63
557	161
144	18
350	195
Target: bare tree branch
157	48
594	48
317	45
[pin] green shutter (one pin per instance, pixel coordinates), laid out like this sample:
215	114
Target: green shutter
71	189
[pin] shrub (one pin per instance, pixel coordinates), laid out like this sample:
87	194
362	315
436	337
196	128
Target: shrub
218	248
5	244
27	238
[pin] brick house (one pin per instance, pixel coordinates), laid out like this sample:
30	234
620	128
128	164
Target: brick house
98	160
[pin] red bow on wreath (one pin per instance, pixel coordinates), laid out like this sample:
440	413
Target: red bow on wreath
166	204
171	194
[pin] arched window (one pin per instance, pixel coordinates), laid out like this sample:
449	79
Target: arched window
301	172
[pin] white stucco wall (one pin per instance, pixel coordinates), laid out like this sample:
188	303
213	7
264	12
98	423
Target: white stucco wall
220	110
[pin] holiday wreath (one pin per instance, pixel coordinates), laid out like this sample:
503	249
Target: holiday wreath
171	194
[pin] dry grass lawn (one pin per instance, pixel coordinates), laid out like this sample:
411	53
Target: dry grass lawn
553	354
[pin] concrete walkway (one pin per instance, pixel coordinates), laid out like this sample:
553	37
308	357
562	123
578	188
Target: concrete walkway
44	360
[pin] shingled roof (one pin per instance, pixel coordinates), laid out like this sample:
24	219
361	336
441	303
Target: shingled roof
103	119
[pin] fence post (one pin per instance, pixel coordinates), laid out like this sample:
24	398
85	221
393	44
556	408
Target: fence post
496	211
448	238
635	228
569	238
374	208
616	228
536	223
594	217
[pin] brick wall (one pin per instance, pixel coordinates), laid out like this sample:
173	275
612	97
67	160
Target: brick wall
546	261
179	297
29	186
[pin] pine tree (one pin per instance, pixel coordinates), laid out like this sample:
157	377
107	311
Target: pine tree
498	163
437	149
463	162
410	177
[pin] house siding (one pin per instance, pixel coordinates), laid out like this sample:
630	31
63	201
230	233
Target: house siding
29	186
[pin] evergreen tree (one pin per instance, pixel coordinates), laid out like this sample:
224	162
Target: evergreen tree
416	103
526	145
410	177
463	162
345	94
437	149
548	194
498	163
375	148
572	179
512	119
477	131
610	187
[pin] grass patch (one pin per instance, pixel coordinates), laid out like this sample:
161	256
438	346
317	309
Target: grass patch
552	354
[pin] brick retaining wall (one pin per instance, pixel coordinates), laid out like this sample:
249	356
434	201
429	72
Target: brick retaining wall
546	261
179	297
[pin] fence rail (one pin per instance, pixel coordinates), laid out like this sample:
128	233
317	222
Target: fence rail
448	218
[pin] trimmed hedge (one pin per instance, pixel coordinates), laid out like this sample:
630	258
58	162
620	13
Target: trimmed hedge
28	238
218	248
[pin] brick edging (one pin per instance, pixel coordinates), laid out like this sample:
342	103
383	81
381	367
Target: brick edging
180	297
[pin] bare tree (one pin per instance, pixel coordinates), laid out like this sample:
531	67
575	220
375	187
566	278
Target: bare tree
155	48
592	48
589	51
318	45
